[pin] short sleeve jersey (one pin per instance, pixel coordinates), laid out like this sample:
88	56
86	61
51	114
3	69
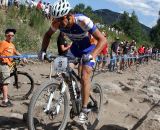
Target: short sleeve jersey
7	49
78	33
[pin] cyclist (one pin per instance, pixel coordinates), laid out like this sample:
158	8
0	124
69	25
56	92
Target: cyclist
76	27
7	48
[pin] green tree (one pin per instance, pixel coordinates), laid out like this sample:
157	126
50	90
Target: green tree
155	33
124	22
88	11
79	8
135	30
131	26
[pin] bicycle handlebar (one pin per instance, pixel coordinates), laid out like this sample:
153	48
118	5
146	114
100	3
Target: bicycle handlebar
51	58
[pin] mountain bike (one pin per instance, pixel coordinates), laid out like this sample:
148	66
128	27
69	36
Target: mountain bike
21	83
59	100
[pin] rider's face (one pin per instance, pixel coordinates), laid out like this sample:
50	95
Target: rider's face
64	22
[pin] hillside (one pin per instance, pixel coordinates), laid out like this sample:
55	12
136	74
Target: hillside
30	25
109	17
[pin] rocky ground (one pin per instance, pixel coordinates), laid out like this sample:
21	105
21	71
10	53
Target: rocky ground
131	99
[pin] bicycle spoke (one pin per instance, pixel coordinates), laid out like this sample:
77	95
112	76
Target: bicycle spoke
22	88
48	111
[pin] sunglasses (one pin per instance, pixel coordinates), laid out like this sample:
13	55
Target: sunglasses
9	35
60	19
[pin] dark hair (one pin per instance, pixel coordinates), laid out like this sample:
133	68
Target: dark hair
10	30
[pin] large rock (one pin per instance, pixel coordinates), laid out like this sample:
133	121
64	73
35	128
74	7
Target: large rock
154	77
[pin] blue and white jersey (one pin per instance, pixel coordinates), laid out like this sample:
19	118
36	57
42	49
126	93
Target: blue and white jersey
80	29
79	34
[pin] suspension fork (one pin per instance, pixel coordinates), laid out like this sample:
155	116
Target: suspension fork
58	103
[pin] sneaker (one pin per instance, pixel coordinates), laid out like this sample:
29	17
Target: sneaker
6	104
82	118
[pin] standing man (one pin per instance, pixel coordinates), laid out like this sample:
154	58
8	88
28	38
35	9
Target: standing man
76	27
7	48
114	53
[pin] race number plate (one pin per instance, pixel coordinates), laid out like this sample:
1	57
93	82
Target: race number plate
60	64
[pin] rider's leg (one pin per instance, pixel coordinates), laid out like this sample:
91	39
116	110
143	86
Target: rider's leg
86	84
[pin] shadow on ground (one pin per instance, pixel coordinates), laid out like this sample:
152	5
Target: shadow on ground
112	127
8	123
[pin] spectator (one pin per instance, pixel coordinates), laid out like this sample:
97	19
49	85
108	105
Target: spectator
62	44
4	3
39	5
141	53
0	4
114	52
46	12
16	3
103	57
27	3
154	53
125	54
43	6
10	3
141	50
132	49
33	3
119	60
7	48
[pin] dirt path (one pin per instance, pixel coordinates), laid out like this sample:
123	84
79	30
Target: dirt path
129	99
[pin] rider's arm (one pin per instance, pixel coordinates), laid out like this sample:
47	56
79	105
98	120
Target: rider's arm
87	25
48	34
101	41
46	39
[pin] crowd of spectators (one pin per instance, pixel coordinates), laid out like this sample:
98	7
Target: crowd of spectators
124	54
45	7
7	3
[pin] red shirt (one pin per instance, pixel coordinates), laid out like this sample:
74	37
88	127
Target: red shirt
39	5
105	50
141	50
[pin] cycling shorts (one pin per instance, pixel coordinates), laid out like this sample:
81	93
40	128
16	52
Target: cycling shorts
76	52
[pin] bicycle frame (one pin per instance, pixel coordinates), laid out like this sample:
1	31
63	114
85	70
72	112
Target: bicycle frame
68	79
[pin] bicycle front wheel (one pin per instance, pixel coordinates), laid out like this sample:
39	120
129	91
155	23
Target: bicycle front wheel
21	86
95	106
48	108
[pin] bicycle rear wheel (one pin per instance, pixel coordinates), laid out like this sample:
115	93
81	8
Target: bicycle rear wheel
39	118
20	87
95	106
